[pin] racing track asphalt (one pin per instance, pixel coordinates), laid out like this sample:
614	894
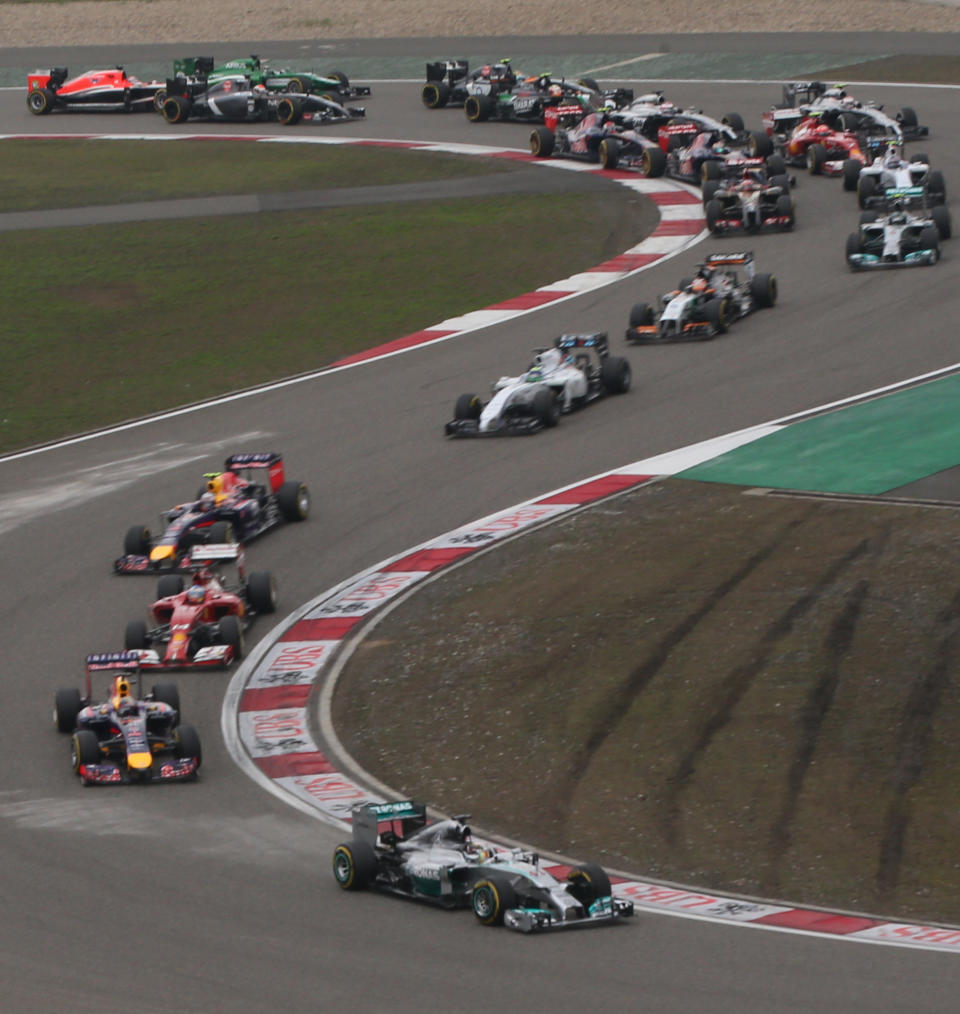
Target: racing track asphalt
215	896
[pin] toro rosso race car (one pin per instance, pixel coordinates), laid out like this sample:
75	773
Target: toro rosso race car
127	737
576	370
202	626
335	85
704	306
249	497
236	100
395	849
94	91
896	240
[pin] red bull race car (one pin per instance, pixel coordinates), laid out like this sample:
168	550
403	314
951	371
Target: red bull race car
126	737
94	91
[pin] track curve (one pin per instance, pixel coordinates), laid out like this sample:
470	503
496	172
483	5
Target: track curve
222	891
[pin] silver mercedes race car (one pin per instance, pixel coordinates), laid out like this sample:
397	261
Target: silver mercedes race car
575	371
899	239
395	849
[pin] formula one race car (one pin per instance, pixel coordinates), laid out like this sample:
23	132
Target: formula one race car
707	304
891	179
249	497
335	85
752	203
202	627
575	371
236	100
127	737
699	148
94	91
450	82
394	849
842	111
824	150
896	240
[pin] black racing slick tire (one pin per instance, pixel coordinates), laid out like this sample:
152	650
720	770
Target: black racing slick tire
816	156
169	584
761	144
354	865
85	749
137	541
710	170
478	108
289	111
262	592
468	406
66	706
715	313
491	899
615	375
435	94
542	142
218	533
908	117
776	166
930	240
785	210
936	187
713	212
187	743
763	288
941	219
708	189
866	189
851	174
159	97
230	632
590	83
853	248
588	883
297	86
176	109
609	153
40	101
641	315
167	693
734	121
545	408
293	499
867	217
653	162
135	636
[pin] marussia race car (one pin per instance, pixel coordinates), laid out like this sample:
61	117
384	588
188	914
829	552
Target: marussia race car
705	305
751	204
890	179
202	627
896	240
94	91
560	379
236	100
336	85
247	498
394	849
843	111
127	738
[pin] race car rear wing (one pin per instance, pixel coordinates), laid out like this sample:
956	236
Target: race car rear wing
744	258
270	460
591	340
449	70
112	661
401	817
202	555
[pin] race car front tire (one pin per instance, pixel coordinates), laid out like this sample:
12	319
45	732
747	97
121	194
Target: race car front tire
354	865
293	499
467	406
137	541
135	636
167	693
478	108
941	219
866	189
908	117
289	111
542	142
763	288
761	144
785	209
218	533
609	153
262	592
936	187
545	408
435	94
734	121
654	162
491	899
615	374
816	156
853	248
230	632
169	584
930	240
187	743
713	211
66	707
297	86
641	315
588	883
85	749
776	166
176	109
710	170
714	312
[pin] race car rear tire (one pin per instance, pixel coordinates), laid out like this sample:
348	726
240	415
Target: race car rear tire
230	632
491	898
941	219
714	312
761	144
853	248
85	749
641	315
781	180
297	86
289	111
339	75
218	533
920	157
713	211
609	153
929	240
710	169
763	288
354	865
137	541
615	374
187	743
654	162
135	636
477	108
435	94
588	882
262	592
66	707
776	166
936	187
734	121
866	189
851	174
176	109
707	190
848	121
293	499
545	408
542	142
816	156
785	209
169	584
167	693
590	83
40	101
908	117
468	406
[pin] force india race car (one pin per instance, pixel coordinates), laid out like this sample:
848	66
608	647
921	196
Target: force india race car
575	371
335	85
249	497
705	305
394	849
751	204
236	100
896	240
202	626
126	738
94	91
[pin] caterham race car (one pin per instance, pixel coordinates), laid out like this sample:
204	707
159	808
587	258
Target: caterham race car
128	737
335	85
576	370
94	91
395	849
899	239
704	306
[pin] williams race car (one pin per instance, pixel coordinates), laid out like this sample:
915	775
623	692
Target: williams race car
126	738
202	626
335	85
704	306
575	371
236	100
249	497
395	849
896	240
94	91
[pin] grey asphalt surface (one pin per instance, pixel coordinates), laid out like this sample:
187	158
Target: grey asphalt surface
217	897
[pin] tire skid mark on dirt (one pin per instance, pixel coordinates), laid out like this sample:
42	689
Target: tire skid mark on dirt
915	734
736	683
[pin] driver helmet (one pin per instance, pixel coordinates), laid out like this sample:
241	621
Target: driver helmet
196	593
848	102
534	375
260	89
122	699
555	91
823	129
699	284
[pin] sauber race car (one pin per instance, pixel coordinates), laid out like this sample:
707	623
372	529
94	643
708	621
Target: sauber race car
892	179
396	850
249	497
896	240
752	203
127	737
202	626
335	85
842	110
705	305
236	100
576	370
94	91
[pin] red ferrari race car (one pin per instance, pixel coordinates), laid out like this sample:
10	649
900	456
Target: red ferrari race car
127	737
94	91
202	626
250	496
